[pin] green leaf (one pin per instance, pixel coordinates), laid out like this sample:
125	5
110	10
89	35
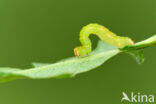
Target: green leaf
65	68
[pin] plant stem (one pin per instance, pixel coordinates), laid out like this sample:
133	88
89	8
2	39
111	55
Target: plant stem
143	44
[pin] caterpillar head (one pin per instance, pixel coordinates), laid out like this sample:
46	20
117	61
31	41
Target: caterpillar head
80	51
124	41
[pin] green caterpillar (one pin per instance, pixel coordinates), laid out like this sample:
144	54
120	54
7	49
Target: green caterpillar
104	34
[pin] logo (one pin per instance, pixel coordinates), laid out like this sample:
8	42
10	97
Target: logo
137	98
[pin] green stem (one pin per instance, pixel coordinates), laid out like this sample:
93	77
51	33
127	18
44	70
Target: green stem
143	44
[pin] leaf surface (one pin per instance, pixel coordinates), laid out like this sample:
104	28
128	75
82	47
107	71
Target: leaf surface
64	68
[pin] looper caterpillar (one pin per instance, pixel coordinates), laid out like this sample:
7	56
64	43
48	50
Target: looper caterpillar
104	34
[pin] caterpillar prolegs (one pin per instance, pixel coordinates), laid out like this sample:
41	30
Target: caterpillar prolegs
104	34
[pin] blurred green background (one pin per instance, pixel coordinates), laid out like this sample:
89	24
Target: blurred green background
48	30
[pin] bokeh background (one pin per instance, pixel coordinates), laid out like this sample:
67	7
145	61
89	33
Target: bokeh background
48	30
